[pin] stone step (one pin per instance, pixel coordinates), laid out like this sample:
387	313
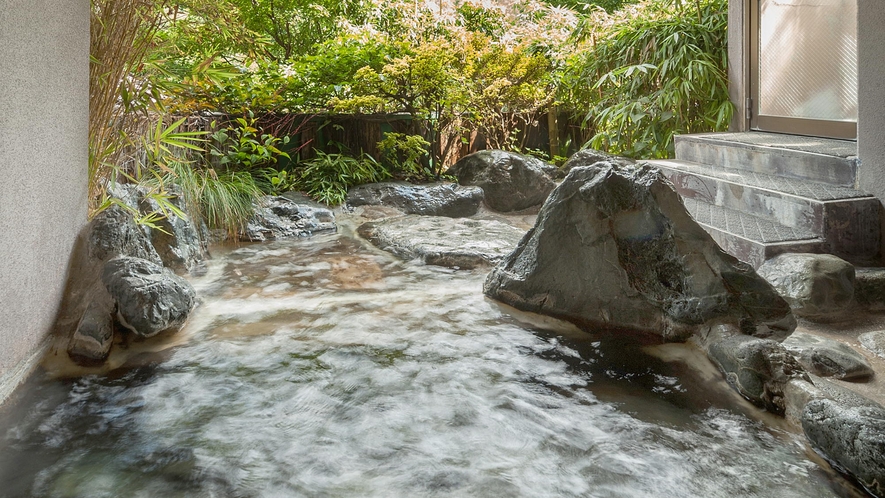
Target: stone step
787	201
817	159
749	238
845	218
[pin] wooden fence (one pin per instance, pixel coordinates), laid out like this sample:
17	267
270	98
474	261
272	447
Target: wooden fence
355	134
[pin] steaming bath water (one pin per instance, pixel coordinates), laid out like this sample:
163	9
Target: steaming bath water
322	367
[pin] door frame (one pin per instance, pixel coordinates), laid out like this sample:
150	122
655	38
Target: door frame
845	130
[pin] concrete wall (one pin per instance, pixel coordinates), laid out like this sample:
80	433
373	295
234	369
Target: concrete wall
871	96
44	112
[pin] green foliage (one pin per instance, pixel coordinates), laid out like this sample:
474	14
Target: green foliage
121	34
402	154
244	147
327	177
154	189
157	148
507	90
652	74
296	26
480	19
221	200
325	80
426	82
274	181
589	5
637	76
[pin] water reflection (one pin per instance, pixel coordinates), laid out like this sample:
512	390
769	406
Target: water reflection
325	368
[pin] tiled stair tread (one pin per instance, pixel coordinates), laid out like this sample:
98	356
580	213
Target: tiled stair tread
801	188
825	146
743	224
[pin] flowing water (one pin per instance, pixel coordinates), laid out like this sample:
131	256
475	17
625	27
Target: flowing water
323	367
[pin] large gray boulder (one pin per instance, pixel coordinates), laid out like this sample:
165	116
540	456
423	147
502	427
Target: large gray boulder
851	436
278	217
586	157
113	232
510	181
615	247
150	298
828	358
439	199
88	309
437	240
759	369
177	240
815	285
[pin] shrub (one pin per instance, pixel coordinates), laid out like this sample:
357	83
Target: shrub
402	155
327	177
655	70
243	147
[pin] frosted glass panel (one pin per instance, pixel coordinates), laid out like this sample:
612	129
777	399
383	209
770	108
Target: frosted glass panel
808	59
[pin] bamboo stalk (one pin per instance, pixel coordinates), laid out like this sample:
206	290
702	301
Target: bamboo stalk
121	31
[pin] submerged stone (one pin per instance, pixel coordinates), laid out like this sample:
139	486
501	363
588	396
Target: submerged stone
615	247
437	240
828	358
439	199
850	436
94	336
759	369
277	217
510	181
150	298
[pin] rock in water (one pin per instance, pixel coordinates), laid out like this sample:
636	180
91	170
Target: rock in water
874	342
439	199
511	182
851	436
828	358
278	217
615	247
453	242
92	340
815	285
113	232
150	298
759	369
177	241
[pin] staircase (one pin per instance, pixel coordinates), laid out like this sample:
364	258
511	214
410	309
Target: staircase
763	194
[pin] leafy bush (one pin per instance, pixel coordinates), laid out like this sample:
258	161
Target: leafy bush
242	147
274	181
327	177
655	70
480	19
402	155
